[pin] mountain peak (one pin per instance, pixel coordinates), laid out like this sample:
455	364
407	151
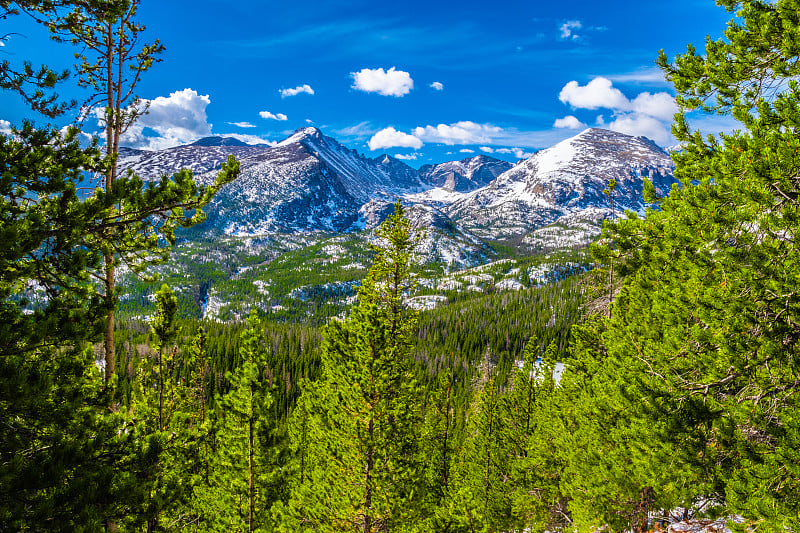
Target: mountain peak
302	134
603	135
218	141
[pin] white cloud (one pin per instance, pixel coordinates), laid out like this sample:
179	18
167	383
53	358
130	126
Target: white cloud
487	149
270	116
596	94
566	30
463	132
519	153
407	157
437	85
384	82
250	139
391	138
649	127
242	124
5	126
309	121
647	114
306	88
84	138
647	75
569	122
177	119
466	151
659	105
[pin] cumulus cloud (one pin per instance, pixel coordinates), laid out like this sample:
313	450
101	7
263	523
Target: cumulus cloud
596	94
659	105
437	85
649	127
569	122
464	132
390	82
5	126
271	116
519	153
466	151
306	88
407	157
487	149
177	119
647	114
242	124
566	30
391	138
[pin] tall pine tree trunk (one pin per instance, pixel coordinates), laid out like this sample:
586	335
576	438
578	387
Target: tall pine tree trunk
112	138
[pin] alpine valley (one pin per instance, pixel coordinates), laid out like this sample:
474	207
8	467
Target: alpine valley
291	235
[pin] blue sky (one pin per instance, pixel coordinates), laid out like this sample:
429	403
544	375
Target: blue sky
426	81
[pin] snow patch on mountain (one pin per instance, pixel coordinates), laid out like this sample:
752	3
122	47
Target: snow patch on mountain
564	180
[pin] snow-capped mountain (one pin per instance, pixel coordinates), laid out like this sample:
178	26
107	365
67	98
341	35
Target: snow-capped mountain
565	184
310	182
307	182
465	175
200	157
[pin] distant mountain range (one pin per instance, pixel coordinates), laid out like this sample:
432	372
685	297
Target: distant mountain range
310	182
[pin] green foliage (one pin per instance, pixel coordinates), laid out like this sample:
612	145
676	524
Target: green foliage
361	460
245	477
684	391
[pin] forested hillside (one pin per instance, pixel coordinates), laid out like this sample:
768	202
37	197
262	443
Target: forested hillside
652	382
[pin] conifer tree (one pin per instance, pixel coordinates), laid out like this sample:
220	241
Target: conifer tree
362	460
112	60
242	484
163	418
535	464
705	327
64	459
480	497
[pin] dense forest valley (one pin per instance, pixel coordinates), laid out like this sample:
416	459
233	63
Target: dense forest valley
157	374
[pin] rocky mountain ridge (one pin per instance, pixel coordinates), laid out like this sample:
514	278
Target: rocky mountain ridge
310	182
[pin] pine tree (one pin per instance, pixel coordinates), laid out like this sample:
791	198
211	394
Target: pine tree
242	483
34	84
438	447
65	461
710	305
535	465
360	469
693	369
111	63
480	495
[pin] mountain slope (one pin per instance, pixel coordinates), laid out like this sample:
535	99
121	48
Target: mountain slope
465	175
200	157
310	182
566	182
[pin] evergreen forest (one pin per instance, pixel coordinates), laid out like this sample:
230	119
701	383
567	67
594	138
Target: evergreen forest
662	384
